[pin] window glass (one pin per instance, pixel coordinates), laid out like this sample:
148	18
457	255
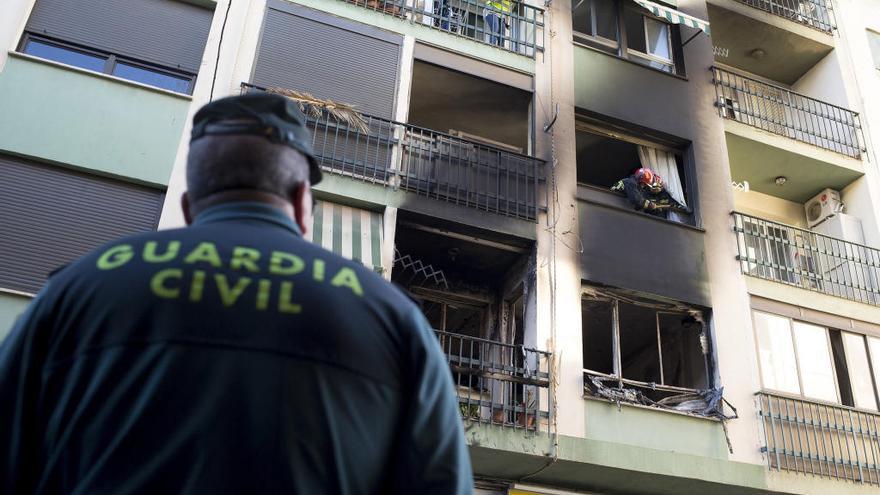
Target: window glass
64	55
874	43
874	349
776	353
582	17
817	373
151	77
658	38
635	30
650	62
606	19
859	371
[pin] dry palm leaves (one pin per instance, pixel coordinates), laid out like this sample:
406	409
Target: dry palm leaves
314	107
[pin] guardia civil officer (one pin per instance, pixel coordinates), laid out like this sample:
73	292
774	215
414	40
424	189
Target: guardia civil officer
230	356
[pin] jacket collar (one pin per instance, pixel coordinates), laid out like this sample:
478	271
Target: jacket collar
249	211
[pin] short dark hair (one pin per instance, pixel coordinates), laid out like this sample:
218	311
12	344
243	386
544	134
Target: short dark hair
222	163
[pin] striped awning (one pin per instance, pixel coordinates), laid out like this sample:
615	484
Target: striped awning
350	232
674	16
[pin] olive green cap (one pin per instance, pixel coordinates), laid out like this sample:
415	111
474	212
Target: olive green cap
272	116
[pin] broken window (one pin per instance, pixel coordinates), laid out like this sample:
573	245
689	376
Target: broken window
474	293
643	350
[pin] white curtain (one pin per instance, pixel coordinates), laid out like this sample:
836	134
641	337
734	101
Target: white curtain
664	164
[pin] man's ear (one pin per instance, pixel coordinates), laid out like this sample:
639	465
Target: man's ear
185	206
302	207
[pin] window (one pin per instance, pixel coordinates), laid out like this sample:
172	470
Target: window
603	160
874	43
639	341
64	55
596	21
152	77
621	29
106	63
817	362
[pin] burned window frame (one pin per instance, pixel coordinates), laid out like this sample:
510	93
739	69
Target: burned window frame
586	123
615	387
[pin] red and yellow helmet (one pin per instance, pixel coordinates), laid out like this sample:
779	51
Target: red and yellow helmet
650	179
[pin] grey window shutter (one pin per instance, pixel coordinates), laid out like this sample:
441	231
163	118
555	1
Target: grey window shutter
328	57
164	32
50	216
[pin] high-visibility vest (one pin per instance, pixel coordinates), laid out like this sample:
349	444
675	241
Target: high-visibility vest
500	5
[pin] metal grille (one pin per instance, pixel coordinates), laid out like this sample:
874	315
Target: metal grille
816	14
793	256
521	30
787	113
431	164
820	439
498	383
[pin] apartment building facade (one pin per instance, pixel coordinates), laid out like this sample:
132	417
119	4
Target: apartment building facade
733	348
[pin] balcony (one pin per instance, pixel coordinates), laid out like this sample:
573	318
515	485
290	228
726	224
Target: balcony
816	14
786	113
820	439
499	384
805	259
523	32
429	163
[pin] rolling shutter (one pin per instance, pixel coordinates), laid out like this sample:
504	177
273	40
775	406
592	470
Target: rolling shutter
164	32
353	233
320	54
50	216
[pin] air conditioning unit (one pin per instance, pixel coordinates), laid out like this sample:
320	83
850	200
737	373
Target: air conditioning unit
824	205
845	266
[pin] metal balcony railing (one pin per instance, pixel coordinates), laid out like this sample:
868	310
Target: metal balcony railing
798	257
816	14
498	383
820	439
431	164
780	111
520	31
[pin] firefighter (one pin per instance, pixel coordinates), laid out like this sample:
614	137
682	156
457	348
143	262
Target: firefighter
230	356
645	191
495	13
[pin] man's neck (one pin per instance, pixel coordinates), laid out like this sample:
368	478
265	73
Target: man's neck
238	195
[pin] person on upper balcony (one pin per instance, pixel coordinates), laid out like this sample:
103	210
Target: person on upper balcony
496	13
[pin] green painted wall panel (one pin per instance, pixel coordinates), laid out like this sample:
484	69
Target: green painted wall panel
655	429
11	305
90	121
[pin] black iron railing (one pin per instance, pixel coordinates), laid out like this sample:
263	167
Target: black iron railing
793	256
816	14
820	439
515	27
784	112
498	383
430	163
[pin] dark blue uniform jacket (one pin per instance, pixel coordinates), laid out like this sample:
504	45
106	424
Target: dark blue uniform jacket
231	356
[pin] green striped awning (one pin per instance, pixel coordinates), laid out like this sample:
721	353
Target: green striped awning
350	232
674	16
